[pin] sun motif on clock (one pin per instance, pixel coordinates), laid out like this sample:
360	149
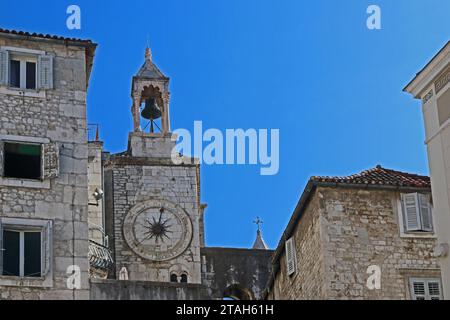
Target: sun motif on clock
157	230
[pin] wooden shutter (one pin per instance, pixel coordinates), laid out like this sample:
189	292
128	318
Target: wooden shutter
50	161
425	212
434	290
291	264
411	212
4	67
418	290
47	248
45	72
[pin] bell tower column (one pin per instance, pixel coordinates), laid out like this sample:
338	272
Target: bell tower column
135	113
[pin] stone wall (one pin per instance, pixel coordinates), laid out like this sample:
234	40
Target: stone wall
309	281
340	234
57	116
362	228
95	181
138	290
235	273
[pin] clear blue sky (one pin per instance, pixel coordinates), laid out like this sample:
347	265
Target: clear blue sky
310	68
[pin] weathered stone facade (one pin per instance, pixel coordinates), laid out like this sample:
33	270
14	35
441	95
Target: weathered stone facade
57	203
339	232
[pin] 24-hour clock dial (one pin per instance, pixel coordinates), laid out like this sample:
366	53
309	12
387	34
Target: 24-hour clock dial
158	230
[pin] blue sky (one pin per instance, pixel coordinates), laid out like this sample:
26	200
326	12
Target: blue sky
309	68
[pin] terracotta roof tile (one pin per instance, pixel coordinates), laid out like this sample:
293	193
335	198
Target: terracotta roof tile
380	176
45	36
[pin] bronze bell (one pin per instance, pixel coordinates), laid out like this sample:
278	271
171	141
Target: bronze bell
151	110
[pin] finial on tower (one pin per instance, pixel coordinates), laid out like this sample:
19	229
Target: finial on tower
259	241
148	54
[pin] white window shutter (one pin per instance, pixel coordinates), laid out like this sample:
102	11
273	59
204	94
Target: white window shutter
4	67
425	212
50	161
411	212
434	290
47	248
418	290
291	262
45	72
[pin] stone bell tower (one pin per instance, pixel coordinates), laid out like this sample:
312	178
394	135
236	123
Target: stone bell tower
154	204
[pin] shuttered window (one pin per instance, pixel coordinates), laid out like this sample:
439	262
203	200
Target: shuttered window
291	263
26	71
425	289
417	212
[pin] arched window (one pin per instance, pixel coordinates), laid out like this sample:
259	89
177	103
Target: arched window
184	278
173	278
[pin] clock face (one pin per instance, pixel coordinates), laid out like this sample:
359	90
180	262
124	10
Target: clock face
157	230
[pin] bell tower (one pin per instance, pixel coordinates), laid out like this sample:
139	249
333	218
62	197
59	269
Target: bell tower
157	217
151	87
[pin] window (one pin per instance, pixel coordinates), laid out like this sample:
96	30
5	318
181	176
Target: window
291	263
22	72
417	212
184	278
27	160
173	278
26	252
22	256
425	289
26	69
22	161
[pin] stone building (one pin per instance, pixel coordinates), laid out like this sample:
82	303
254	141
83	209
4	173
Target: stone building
43	165
345	231
77	222
432	86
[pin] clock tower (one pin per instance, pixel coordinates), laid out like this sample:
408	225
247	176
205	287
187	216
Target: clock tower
153	205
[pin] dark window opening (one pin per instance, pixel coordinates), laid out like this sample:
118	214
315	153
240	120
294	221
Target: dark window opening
32	254
22	161
18	262
173	278
14	73
184	278
31	75
11	253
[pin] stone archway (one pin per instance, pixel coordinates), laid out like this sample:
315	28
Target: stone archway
237	292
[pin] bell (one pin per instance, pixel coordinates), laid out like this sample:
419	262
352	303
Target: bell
151	110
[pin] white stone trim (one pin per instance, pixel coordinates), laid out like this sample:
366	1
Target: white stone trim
15	138
22	50
401	225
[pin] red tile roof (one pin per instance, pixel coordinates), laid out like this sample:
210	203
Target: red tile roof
45	36
380	176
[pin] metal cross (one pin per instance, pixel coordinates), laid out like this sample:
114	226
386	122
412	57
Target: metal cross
258	222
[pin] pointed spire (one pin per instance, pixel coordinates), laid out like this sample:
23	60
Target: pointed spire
148	54
259	241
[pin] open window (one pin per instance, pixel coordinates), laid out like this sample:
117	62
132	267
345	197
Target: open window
28	160
25	248
417	212
22	160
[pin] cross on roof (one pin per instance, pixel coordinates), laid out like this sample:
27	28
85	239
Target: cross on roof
258	222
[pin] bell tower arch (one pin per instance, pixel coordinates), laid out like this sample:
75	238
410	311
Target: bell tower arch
150	87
